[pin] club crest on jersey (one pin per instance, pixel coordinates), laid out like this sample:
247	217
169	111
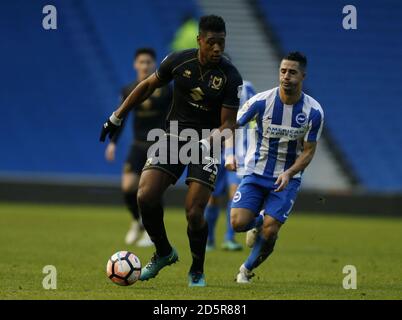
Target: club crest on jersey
237	196
301	119
216	82
187	73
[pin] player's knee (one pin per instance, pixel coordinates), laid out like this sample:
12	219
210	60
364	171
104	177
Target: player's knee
147	199
237	222
129	183
236	225
195	215
270	231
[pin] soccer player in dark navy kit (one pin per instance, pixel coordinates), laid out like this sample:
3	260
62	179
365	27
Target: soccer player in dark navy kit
146	116
205	96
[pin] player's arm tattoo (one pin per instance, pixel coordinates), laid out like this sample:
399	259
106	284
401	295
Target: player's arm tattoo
304	159
140	93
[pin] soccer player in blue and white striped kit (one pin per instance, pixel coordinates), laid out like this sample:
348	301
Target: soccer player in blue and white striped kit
289	124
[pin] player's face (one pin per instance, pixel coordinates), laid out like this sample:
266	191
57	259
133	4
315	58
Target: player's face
144	65
291	76
212	45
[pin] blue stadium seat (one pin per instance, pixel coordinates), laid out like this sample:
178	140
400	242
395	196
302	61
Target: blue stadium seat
58	86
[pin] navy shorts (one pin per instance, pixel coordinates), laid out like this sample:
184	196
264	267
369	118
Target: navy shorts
204	171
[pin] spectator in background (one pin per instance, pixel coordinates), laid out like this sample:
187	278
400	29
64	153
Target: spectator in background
148	115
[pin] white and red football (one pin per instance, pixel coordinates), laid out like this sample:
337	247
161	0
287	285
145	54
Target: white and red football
123	268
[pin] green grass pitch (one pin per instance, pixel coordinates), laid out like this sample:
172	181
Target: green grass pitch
307	262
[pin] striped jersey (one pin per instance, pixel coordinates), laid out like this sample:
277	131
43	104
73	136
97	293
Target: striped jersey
280	131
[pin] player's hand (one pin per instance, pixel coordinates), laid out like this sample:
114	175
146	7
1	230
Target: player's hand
110	127
282	181
230	163
110	152
205	147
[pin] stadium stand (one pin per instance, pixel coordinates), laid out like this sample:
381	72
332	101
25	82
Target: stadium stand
355	74
57	86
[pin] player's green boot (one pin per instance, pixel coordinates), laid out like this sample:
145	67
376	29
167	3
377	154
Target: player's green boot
157	263
196	279
231	245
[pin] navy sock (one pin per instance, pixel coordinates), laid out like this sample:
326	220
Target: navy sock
198	242
152	218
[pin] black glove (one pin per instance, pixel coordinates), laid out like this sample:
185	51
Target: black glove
110	127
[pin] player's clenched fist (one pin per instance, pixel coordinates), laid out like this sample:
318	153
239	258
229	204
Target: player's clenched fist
110	127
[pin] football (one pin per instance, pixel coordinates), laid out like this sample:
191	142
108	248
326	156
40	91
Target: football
123	268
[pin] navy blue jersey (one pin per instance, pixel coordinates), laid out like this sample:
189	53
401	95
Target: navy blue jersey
200	91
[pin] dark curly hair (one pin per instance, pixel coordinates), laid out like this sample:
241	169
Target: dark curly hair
297	56
149	51
211	23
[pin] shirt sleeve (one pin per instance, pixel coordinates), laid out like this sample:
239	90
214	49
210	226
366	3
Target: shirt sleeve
249	111
233	90
316	123
165	71
248	91
169	94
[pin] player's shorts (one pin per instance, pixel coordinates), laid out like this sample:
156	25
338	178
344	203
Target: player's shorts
224	180
164	156
137	156
256	193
